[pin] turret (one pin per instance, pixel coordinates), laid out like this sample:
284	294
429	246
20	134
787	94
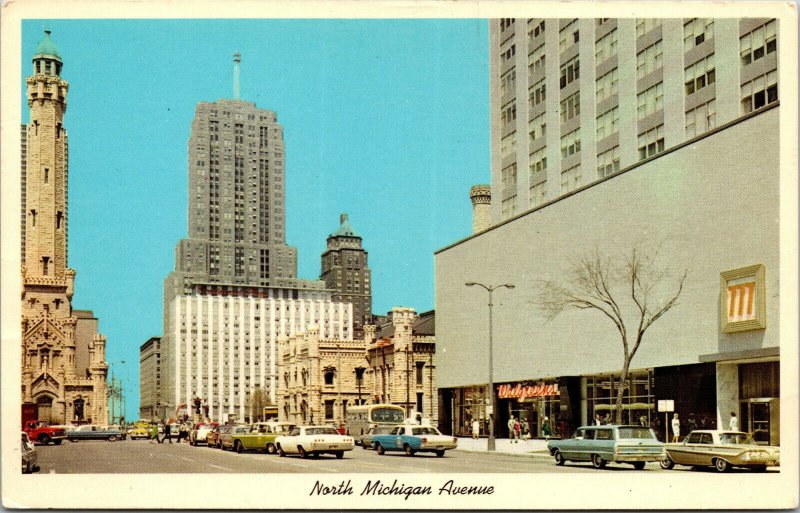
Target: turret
481	197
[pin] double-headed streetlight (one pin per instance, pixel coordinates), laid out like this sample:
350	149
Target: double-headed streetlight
491	412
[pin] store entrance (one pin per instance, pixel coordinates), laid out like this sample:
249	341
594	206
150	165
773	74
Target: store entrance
757	418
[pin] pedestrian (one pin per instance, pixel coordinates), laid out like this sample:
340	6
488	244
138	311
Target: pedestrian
476	429
183	432
526	430
676	429
167	432
597	419
733	424
546	428
517	430
511	428
154	431
160	428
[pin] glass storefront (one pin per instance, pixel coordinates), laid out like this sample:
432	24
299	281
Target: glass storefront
470	404
638	401
759	401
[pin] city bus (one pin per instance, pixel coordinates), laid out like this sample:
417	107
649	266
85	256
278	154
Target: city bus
361	418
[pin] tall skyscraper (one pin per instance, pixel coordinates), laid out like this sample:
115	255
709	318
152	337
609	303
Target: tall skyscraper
235	287
346	272
576	100
63	366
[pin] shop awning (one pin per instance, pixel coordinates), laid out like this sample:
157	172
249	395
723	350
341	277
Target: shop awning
765	352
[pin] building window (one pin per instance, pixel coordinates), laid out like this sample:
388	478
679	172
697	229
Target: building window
537	194
605	47
506	23
536	30
651	100
568	36
570	144
651	142
649	60
536	60
607	85
759	92
570	179
509	177
508	54
700	74
758	43
537	127
570	71
329	377
702	119
329	409
508	206
59	218
45	265
420	367
46	175
538	162
571	107
509	113
508	82
696	31
608	162
507	145
600	21
33	217
607	123
645	25
537	93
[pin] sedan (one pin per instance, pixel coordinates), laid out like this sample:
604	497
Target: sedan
29	455
413	439
313	441
92	432
721	450
199	435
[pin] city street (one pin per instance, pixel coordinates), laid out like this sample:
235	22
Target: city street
141	456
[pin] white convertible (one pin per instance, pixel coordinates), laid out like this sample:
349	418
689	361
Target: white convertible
313	441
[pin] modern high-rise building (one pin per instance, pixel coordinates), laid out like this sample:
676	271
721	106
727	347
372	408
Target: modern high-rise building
235	287
150	405
345	271
609	136
63	357
576	100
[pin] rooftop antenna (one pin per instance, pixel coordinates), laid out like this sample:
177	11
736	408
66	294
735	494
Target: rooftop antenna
237	58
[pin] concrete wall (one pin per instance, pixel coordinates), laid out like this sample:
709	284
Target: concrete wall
713	205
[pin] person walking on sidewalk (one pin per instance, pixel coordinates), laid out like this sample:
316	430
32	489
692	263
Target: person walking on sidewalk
167	432
526	430
733	424
517	431
476	429
511	423
546	429
676	429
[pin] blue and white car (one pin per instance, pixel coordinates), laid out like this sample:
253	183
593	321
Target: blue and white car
609	444
413	439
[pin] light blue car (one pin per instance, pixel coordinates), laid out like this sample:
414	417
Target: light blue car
413	439
610	443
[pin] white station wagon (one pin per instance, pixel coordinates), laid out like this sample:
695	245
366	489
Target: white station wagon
313	441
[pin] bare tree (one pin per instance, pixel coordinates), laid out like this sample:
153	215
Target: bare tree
596	282
257	400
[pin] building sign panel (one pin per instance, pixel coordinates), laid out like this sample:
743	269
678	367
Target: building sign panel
742	299
522	392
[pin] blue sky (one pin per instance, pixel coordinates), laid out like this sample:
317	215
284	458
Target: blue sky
384	119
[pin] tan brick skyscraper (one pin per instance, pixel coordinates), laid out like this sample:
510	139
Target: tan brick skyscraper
49	374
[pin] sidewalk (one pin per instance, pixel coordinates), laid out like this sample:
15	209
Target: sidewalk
532	448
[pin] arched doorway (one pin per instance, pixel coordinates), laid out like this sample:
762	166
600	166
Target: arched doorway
77	407
45	409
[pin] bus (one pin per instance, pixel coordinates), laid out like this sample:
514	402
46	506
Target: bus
361	418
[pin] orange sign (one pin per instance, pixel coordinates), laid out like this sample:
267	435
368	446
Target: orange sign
521	392
741	298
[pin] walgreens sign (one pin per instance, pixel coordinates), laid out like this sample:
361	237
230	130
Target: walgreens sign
521	392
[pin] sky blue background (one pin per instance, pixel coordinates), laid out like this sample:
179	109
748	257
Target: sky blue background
384	119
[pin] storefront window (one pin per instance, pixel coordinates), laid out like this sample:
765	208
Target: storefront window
638	403
470	404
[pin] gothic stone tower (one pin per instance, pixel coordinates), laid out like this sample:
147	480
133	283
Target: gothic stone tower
49	376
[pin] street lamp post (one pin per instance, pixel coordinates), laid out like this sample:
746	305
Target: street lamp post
490	289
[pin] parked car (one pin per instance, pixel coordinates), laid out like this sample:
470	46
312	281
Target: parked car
366	438
93	432
261	436
609	443
314	440
212	439
40	432
413	439
199	435
29	455
226	438
721	450
140	430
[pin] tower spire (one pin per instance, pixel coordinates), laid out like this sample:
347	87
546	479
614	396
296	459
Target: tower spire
237	58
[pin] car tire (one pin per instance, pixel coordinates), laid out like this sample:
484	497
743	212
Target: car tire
44	439
302	452
667	463
271	448
721	465
638	465
57	442
440	453
339	455
409	450
598	461
558	457
379	449
238	447
281	452
112	438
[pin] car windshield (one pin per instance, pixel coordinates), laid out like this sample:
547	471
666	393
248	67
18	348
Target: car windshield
387	415
735	438
424	431
636	432
321	431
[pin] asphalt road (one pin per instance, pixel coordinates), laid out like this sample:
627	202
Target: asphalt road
144	456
